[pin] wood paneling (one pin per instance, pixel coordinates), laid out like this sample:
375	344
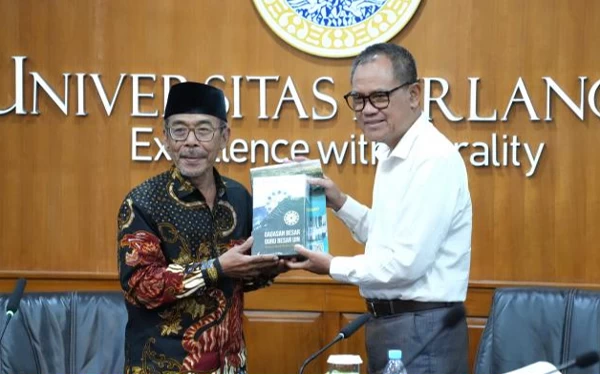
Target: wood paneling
282	340
64	176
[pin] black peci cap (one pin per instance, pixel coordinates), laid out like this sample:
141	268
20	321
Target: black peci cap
194	97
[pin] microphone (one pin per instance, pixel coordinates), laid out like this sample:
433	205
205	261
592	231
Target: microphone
345	332
353	326
581	361
452	318
13	303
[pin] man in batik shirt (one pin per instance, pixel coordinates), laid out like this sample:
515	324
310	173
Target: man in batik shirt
183	249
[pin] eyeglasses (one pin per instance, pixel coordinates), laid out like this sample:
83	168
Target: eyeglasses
202	133
378	99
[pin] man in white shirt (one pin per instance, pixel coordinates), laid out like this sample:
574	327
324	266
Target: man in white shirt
417	234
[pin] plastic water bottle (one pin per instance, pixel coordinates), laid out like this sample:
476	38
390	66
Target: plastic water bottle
394	364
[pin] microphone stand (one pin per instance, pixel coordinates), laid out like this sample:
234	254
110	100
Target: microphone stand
339	337
9	316
346	332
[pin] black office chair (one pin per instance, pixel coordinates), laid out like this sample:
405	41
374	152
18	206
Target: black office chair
527	325
65	332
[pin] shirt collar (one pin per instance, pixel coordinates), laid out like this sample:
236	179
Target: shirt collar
405	144
183	187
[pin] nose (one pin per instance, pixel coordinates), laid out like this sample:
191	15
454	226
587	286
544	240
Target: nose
191	139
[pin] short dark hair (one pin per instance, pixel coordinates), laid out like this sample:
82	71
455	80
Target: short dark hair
405	68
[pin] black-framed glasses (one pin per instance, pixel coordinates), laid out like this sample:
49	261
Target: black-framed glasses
378	99
202	133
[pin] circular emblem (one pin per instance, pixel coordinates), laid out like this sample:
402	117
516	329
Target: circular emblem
336	28
291	218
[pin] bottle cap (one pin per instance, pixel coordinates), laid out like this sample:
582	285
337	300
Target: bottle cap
394	354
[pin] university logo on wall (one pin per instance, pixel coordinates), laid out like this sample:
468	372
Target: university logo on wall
336	28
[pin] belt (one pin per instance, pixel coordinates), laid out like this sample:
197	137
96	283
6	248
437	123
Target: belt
383	307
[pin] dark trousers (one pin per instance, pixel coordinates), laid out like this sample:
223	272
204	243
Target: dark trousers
447	354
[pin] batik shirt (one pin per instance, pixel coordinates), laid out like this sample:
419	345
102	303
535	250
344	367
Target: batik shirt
184	314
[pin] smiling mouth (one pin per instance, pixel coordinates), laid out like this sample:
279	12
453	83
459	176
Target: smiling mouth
372	124
191	160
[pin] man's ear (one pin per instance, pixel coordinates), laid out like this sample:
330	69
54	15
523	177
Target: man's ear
165	137
415	95
166	141
225	134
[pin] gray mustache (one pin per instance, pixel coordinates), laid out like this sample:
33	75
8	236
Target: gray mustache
192	155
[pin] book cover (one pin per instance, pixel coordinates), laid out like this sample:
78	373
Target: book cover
317	238
279	214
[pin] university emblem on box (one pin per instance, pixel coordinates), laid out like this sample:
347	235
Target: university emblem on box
291	218
336	28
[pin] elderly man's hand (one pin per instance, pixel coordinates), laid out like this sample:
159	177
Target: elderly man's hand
276	270
237	263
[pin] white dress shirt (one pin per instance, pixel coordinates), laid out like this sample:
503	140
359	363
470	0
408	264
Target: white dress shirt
418	231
